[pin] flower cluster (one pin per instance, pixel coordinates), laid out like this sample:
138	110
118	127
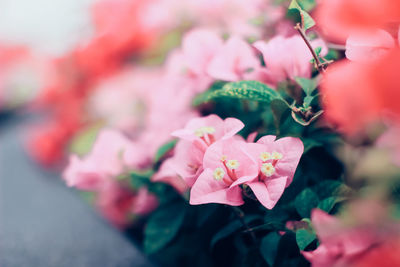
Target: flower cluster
217	164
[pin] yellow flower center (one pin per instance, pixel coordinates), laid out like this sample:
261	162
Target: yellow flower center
264	156
232	164
267	169
219	173
202	131
276	155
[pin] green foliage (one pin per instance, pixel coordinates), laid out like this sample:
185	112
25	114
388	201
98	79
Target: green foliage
304	237
248	90
269	247
162	226
295	10
164	149
305	202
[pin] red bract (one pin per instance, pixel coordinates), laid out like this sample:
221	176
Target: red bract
337	18
356	94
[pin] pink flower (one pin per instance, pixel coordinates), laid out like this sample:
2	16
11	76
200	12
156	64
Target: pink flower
102	164
339	244
234	60
144	202
367	45
286	58
206	130
199	46
196	137
277	163
226	165
185	165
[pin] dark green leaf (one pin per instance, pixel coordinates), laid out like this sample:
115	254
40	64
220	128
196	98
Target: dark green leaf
269	247
204	97
330	188
305	19
305	202
164	149
162	226
278	108
304	238
307	5
308	85
140	178
327	204
250	90
230	229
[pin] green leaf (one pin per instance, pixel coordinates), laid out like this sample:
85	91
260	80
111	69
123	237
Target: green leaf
307	5
305	202
327	204
164	149
83	141
230	229
162	226
278	108
308	85
305	19
304	237
269	247
329	188
140	178
318	50
307	101
250	90
204	97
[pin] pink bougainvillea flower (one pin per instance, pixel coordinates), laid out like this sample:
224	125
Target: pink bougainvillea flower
206	130
102	164
199	46
235	59
186	163
144	202
277	163
286	58
338	18
226	165
340	244
376	91
366	45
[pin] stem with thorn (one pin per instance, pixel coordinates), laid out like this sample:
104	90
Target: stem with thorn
320	66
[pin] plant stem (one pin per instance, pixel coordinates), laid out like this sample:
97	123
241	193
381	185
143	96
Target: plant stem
318	63
240	214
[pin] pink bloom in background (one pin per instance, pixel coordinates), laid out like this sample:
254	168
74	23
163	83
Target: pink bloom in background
366	45
118	204
235	59
286	58
102	164
123	99
226	165
277	163
339	244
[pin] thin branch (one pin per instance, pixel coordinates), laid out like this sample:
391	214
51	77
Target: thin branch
318	63
240	214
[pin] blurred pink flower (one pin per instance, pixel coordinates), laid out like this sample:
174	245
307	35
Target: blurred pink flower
286	58
233	61
277	163
144	202
339	244
367	45
102	164
226	165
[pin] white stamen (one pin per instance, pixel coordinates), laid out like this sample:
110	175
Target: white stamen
202	131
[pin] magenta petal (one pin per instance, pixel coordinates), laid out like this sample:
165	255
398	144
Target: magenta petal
208	190
268	192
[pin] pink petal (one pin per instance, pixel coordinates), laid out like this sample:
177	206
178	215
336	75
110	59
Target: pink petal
367	45
269	191
208	190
